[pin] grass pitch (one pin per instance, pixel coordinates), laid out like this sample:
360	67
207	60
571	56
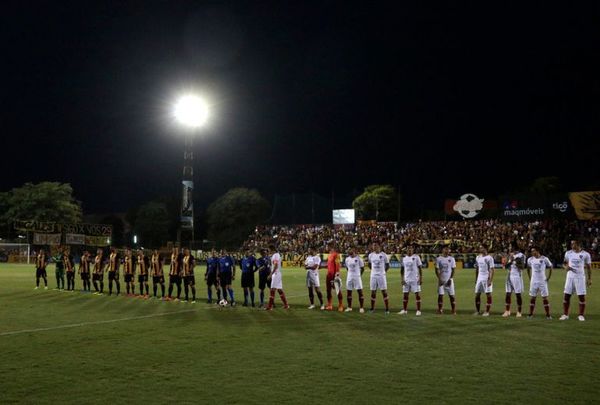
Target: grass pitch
60	347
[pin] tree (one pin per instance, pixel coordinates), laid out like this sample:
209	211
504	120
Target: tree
546	185
152	224
45	202
234	215
379	202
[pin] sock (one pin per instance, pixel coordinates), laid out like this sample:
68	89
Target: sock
507	302
193	293
386	302
126	287
162	290
320	296
519	303
311	296
488	304
340	300
118	287
349	299
246	296
581	305
418	299
566	302
224	293
440	302
178	290
141	289
133	288
361	300
96	286
262	297
405	301
37	282
45	282
209	290
102	286
532	305
453	303
271	299
252	297
478	304
231	294
282	296
186	289
218	293
154	288
546	306
372	303
170	290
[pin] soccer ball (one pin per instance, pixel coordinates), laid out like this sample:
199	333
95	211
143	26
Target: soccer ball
469	205
223	303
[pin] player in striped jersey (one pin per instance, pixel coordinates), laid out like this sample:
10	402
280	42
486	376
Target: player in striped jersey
577	262
69	270
484	277
444	270
356	267
312	264
41	262
158	274
514	279
98	275
84	270
129	272
143	269
536	269
113	271
175	274
189	280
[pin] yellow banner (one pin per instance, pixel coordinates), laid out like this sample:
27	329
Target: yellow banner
586	204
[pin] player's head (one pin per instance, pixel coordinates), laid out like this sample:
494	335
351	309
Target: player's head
264	252
376	247
155	252
311	251
248	252
41	251
175	250
99	252
272	248
483	249
410	250
351	252
535	251
575	244
514	247
113	249
186	251
446	250
331	246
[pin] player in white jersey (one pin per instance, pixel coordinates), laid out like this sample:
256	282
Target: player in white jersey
411	269
312	264
538	281
484	276
276	280
356	267
379	264
577	262
514	280
444	270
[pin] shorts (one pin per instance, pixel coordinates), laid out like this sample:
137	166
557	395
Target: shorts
142	278
174	279
158	279
276	281
444	289
211	279
482	287
312	279
263	282
97	277
514	284
354	283
536	287
85	276
40	273
189	280
575	285
248	280
113	275
225	279
128	278
378	282
411	286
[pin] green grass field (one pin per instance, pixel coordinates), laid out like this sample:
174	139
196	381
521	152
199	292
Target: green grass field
82	348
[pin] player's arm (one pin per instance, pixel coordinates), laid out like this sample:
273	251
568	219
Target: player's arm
566	263
402	273
492	270
420	275
452	273
588	269
549	264
233	268
476	271
337	265
361	264
437	270
529	269
387	263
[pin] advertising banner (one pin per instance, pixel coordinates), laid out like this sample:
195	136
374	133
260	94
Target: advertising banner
46	238
75	239
586	204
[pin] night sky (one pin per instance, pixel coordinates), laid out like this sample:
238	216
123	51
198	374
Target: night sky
304	96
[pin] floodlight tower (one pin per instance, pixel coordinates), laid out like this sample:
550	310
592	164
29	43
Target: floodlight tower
191	112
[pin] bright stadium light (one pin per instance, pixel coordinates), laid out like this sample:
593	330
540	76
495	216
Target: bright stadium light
191	111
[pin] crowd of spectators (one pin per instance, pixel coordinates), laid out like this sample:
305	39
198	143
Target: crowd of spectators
551	236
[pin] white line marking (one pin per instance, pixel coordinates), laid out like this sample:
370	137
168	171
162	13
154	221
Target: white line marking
77	325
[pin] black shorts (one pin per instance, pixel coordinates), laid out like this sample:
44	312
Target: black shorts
158	279
97	277
225	279
263	282
248	280
189	280
142	278
174	279
40	273
128	278
211	279
113	275
85	276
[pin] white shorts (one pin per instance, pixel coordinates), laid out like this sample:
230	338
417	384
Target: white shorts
411	286
575	285
540	287
276	281
354	283
312	279
514	284
444	289
378	282
482	287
